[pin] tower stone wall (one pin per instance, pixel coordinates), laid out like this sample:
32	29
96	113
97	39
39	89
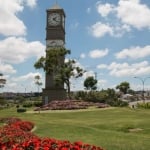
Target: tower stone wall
55	37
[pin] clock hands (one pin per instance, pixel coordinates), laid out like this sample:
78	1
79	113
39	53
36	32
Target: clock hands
54	19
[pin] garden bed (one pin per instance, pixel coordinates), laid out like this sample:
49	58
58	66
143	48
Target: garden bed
70	105
17	135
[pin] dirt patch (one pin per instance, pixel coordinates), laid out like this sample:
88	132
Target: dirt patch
34	129
135	130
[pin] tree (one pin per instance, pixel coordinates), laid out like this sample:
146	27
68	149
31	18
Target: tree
52	62
111	93
2	81
66	72
63	70
38	81
90	83
123	87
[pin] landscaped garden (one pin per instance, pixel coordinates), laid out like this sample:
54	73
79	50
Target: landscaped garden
109	128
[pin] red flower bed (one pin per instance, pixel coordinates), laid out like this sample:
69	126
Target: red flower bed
16	135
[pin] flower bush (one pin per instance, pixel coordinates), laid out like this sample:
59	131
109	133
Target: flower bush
69	105
17	135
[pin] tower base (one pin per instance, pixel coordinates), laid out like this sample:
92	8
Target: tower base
53	94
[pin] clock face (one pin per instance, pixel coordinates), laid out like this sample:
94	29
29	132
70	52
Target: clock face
54	43
54	19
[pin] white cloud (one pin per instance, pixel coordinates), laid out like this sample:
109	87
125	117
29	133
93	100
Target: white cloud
88	10
127	70
88	74
17	50
99	29
134	13
98	53
104	9
134	52
82	55
6	68
127	14
120	30
102	81
102	66
28	77
31	3
10	24
24	83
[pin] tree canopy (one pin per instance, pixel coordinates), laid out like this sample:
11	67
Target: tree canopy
123	87
90	83
2	81
54	62
38	81
51	62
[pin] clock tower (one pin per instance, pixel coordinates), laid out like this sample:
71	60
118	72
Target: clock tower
55	38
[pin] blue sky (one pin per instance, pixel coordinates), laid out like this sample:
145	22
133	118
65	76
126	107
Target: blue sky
108	38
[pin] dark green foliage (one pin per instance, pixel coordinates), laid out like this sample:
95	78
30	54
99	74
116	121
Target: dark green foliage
2	81
123	87
54	63
37	104
143	105
20	99
105	96
17	106
32	104
80	95
38	82
68	70
27	104
52	59
2	101
20	110
90	83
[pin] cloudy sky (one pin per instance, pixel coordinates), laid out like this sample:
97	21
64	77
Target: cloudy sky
110	39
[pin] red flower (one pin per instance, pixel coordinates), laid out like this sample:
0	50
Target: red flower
17	136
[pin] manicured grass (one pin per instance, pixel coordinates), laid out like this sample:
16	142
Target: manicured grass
108	128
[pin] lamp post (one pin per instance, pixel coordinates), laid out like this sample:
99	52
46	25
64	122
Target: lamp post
143	82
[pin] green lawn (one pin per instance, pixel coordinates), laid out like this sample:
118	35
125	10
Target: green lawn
108	128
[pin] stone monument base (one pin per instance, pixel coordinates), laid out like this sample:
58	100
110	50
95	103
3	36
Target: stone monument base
53	94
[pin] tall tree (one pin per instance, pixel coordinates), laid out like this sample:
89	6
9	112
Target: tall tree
38	81
90	83
123	87
64	70
51	63
2	81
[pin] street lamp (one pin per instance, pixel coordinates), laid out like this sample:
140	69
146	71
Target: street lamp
143	82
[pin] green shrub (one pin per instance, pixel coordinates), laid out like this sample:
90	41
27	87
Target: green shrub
37	104
27	104
143	105
19	110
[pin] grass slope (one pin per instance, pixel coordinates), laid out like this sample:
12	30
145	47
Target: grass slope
108	128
